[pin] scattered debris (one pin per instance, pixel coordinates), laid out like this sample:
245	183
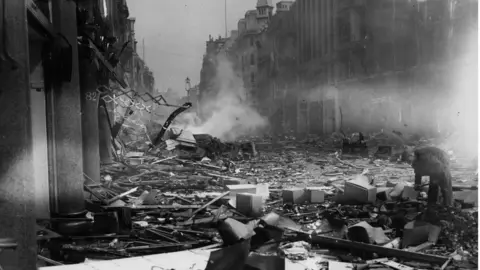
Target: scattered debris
301	203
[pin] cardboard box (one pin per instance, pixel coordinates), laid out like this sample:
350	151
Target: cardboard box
249	204
359	190
316	195
246	188
295	195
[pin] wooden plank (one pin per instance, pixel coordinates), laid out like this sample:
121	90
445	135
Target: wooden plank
208	204
17	180
382	251
145	207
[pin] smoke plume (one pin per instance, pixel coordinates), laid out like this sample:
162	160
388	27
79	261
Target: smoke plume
229	114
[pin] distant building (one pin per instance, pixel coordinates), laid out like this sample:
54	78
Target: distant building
264	12
284	6
245	52
359	62
207	87
318	66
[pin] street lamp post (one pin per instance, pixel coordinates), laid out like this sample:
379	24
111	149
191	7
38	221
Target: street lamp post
187	87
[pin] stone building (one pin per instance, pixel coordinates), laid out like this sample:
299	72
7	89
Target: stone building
50	118
208	87
324	65
370	63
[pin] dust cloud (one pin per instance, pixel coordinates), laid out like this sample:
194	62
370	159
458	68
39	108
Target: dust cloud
229	114
436	99
462	102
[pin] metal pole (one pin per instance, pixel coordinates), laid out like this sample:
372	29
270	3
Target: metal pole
143	50
226	19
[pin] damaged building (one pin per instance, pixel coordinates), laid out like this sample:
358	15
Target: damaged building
96	173
358	65
65	60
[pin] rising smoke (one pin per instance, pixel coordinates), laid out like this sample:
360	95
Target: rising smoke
230	115
437	99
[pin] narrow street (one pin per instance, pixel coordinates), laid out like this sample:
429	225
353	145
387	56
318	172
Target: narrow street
241	135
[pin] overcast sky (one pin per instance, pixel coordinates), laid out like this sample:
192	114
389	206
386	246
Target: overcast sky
175	32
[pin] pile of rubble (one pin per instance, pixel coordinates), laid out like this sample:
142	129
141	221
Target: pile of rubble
266	204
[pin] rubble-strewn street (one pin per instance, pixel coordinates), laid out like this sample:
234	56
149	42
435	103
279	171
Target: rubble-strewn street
284	201
239	135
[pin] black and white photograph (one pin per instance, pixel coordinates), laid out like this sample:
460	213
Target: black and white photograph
239	134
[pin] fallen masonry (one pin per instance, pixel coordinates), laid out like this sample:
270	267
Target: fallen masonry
195	202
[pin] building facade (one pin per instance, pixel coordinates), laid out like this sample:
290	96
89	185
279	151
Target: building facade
324	65
51	123
277	66
369	63
208	87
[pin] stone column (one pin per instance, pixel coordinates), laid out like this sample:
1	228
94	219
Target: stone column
68	198
90	130
17	185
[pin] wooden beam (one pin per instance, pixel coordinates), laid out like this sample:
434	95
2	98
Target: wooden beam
39	18
104	62
208	204
382	251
